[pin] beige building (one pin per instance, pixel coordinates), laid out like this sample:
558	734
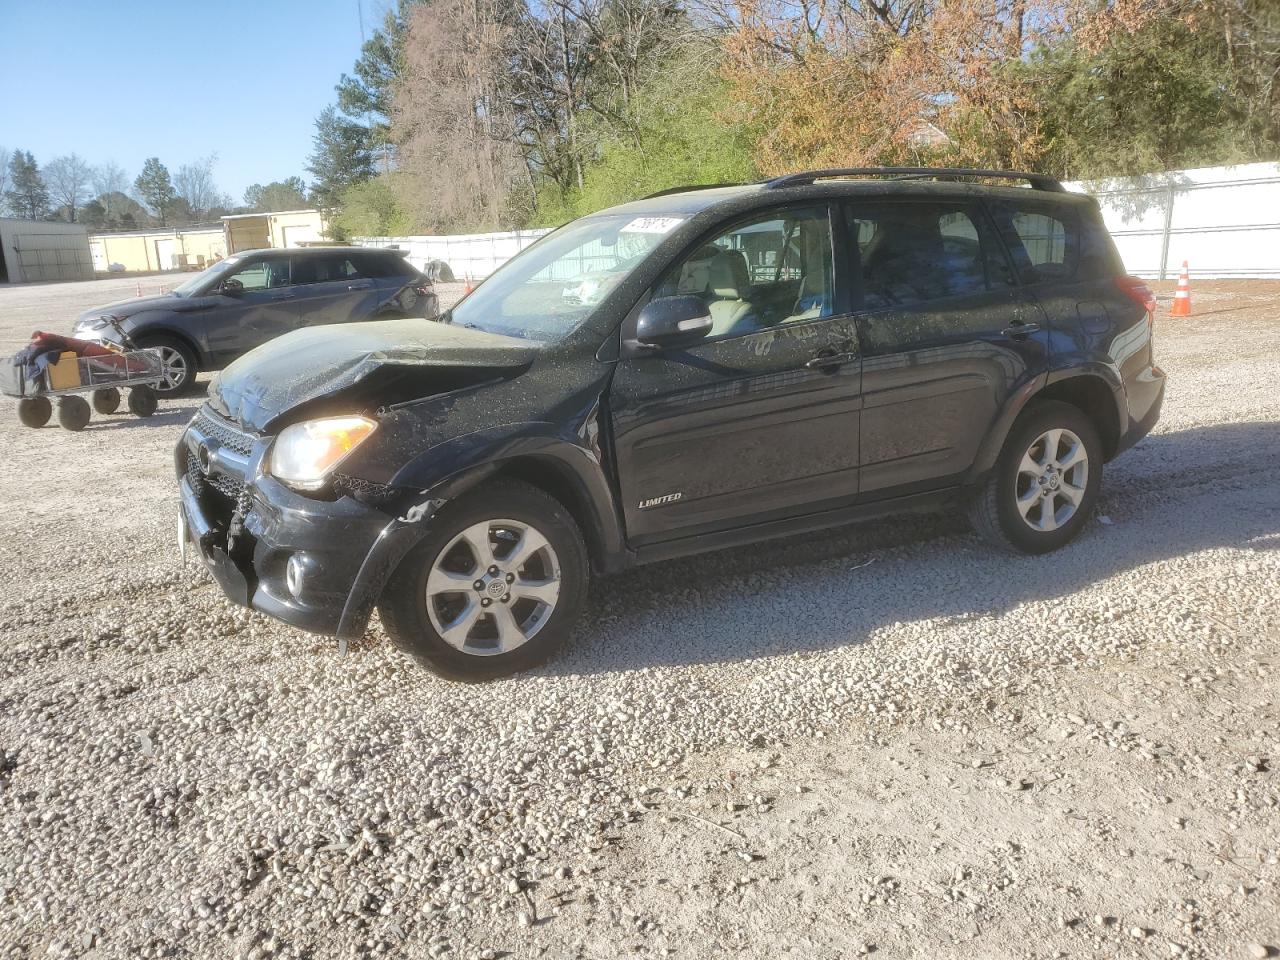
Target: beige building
149	251
288	228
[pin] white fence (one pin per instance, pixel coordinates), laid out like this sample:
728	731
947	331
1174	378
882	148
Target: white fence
1224	221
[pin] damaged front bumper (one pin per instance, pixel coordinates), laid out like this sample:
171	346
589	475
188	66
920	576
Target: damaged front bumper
318	564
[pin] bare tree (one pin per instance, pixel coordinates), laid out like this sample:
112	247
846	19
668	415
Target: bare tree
110	181
194	183
68	179
5	155
458	155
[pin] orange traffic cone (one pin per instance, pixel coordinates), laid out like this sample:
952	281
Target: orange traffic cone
1182	298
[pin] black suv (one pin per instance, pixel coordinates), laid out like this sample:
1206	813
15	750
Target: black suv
698	369
247	299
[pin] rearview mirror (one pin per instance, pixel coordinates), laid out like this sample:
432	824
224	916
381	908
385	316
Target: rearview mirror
673	322
231	287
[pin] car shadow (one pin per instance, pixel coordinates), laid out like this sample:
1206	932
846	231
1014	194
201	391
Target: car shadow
1174	494
166	416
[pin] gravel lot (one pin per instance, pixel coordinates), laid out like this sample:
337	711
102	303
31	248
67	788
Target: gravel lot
887	740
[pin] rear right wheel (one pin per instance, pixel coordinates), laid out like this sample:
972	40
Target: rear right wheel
1045	484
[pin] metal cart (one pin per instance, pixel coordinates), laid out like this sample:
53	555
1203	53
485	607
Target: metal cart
103	376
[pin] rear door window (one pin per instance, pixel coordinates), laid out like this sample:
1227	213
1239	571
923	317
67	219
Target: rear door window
323	269
912	252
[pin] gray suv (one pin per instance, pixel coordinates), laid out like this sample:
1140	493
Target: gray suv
249	298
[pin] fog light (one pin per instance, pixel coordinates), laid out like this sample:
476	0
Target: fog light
294	571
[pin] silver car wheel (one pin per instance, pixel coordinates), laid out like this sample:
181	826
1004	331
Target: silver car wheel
493	587
175	367
1052	478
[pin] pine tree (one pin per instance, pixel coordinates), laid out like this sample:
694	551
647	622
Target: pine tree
27	194
342	156
155	188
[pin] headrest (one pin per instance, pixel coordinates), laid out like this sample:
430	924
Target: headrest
729	277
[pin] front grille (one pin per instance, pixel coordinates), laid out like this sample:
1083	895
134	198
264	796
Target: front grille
213	426
230	487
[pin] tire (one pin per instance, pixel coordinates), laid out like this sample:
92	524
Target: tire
997	510
472	614
142	401
73	413
107	400
34	411
180	365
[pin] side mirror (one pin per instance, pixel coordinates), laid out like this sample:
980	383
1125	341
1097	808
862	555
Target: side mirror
231	287
673	322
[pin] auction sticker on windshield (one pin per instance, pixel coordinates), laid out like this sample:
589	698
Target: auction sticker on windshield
652	225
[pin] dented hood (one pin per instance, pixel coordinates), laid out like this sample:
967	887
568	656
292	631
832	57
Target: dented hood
394	360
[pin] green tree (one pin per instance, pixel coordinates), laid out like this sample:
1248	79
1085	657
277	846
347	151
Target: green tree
368	94
677	136
370	209
288	194
1151	100
340	158
155	188
27	194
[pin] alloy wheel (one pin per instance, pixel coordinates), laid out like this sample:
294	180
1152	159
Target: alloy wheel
1052	478
493	587
175	367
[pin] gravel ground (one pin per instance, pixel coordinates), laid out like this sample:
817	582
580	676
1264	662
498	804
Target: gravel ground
887	740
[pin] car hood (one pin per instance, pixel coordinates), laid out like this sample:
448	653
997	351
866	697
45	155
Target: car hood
127	308
365	365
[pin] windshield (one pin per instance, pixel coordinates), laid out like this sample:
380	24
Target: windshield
549	290
201	279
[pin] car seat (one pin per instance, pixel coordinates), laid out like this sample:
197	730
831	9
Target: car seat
729	283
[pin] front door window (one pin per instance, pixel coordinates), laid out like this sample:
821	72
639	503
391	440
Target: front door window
761	274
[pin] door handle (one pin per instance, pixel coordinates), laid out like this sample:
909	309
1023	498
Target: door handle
1021	329
830	361
360	285
282	296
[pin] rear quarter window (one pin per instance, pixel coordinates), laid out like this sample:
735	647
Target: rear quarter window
1052	242
382	266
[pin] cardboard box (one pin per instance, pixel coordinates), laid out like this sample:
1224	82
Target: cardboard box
65	374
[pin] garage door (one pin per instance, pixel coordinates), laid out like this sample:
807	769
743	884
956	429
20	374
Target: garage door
297	236
166	250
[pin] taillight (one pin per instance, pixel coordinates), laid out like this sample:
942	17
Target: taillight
1136	289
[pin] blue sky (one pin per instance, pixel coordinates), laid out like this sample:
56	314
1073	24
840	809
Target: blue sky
125	80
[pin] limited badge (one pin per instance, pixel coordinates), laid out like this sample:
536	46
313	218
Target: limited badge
660	501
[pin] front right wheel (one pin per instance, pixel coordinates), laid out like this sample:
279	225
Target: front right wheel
495	586
1045	484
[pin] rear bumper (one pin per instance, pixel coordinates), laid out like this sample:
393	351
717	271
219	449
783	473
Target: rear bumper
342	550
1145	396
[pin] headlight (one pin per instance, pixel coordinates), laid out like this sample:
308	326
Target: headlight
96	323
305	453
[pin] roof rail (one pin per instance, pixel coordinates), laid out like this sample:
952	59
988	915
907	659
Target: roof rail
691	187
1038	181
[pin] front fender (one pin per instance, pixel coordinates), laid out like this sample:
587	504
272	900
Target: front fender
456	466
